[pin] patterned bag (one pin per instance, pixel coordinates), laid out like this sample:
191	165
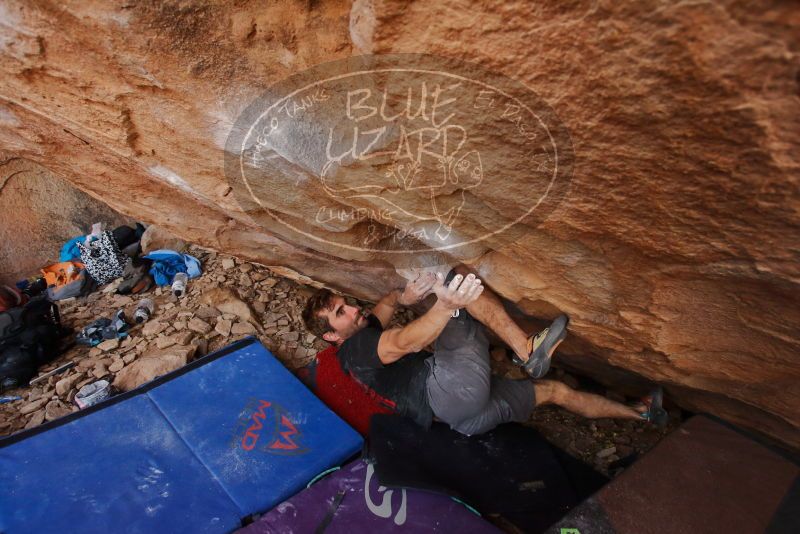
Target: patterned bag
103	259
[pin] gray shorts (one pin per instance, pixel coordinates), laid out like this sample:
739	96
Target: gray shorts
461	388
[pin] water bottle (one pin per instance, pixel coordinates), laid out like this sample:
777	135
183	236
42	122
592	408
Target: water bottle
179	284
144	310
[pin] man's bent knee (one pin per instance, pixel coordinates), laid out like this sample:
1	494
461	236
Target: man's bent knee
463	404
458	392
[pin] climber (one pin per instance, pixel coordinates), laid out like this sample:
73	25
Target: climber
454	384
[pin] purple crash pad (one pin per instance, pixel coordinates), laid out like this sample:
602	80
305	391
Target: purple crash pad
351	500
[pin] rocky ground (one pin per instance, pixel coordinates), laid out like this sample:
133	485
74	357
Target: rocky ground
607	444
234	299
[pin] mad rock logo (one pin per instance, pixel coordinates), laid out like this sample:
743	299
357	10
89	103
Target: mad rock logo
399	154
267	427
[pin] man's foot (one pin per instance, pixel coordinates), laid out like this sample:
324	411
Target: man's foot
542	346
651	409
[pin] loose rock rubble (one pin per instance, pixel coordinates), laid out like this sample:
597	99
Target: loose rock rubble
234	299
231	300
607	444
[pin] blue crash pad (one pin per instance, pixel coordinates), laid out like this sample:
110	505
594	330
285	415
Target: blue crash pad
197	450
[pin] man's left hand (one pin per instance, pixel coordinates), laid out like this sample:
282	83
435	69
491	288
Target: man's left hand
415	291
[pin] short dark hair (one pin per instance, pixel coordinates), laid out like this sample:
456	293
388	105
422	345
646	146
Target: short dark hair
322	299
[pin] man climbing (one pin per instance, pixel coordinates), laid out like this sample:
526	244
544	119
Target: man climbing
454	383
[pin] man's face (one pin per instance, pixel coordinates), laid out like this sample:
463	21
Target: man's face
345	320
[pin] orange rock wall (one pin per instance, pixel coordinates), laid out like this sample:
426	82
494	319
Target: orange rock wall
675	251
39	212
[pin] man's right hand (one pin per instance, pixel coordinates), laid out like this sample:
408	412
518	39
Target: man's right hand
460	293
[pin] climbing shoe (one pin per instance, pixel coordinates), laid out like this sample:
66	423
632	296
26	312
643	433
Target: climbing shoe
654	413
541	347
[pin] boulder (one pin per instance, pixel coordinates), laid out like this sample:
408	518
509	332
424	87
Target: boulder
33	406
162	342
100	370
673	247
35	420
152	328
151	365
223	327
225	300
156	238
56	409
108	344
88	362
184	338
241	328
198	325
207	312
64	385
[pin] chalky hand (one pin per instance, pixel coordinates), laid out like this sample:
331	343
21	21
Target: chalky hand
460	293
416	290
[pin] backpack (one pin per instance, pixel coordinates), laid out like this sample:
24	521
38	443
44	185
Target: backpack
103	259
67	279
10	297
29	338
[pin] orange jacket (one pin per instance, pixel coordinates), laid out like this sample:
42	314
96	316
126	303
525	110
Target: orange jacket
61	274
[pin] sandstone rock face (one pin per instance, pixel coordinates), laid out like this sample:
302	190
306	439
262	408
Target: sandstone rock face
155	238
674	249
39	212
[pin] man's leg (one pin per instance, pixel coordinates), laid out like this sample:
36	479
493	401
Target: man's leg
461	389
585	404
513	400
459	383
509	400
489	310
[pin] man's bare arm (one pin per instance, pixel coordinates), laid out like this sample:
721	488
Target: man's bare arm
413	293
384	309
397	342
